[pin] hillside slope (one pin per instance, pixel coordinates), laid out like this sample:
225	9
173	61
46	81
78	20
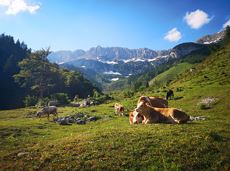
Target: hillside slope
214	70
169	75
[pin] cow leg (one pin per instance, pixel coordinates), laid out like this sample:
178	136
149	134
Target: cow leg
174	120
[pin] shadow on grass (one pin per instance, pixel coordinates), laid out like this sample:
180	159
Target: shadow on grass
178	98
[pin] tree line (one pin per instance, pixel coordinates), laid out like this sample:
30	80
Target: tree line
26	73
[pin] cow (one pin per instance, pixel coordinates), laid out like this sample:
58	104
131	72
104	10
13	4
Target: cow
119	109
47	111
160	115
169	94
135	117
154	101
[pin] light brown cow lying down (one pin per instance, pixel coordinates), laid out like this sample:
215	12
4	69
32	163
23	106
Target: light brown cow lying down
137	117
154	101
160	115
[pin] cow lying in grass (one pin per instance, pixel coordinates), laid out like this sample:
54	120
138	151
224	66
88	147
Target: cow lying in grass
154	101
119	109
47	111
159	115
136	117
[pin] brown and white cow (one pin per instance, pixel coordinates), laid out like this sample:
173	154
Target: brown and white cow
136	117
119	109
160	115
154	101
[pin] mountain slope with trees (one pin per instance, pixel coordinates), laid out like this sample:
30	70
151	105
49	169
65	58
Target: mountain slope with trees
25	73
11	53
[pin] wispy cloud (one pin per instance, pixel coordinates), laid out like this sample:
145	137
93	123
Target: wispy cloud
173	35
16	6
196	19
226	24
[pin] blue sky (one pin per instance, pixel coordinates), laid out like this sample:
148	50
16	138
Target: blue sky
82	24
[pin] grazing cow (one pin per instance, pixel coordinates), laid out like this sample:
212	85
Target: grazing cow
119	109
160	115
47	111
154	101
169	94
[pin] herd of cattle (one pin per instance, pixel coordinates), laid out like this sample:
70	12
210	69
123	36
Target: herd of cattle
148	110
153	110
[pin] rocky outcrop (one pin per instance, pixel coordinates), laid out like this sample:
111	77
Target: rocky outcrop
184	49
213	38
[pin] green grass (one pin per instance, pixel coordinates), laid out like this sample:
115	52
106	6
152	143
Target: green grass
170	75
111	143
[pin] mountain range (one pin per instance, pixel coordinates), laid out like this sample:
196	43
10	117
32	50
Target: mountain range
116	62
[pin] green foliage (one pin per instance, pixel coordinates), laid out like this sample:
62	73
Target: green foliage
96	94
43	102
62	98
30	101
128	94
47	78
11	53
40	78
102	98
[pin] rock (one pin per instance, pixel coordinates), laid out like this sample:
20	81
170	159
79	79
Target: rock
76	104
64	122
22	154
80	122
92	118
71	120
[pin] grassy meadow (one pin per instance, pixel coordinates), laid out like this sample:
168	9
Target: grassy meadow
111	143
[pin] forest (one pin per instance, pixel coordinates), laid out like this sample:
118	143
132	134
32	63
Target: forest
29	76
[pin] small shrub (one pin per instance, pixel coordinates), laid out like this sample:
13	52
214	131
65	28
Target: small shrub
128	94
102	99
43	102
62	98
30	101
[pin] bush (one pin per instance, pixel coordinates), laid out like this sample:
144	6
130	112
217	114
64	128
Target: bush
62	98
30	101
43	102
128	94
102	99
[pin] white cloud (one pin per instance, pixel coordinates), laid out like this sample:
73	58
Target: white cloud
16	6
196	19
173	35
226	24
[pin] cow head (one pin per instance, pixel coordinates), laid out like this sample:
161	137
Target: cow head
143	103
137	117
38	114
